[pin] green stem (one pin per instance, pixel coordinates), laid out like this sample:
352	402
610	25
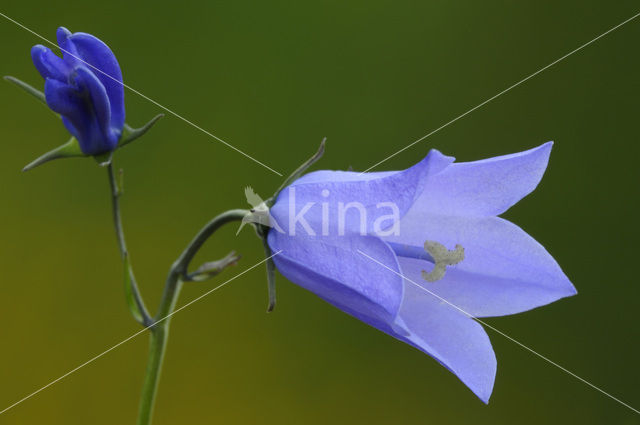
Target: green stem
160	327
157	346
122	245
115	203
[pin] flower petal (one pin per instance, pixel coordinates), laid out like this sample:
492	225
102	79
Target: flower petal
487	187
325	196
505	271
91	50
321	176
70	127
101	107
68	49
69	102
458	342
78	117
333	269
48	64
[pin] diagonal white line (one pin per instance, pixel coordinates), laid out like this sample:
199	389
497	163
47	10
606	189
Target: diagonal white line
502	92
175	114
91	360
503	334
371	258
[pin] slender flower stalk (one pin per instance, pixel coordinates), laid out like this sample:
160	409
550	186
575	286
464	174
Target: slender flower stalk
136	304
160	328
159	325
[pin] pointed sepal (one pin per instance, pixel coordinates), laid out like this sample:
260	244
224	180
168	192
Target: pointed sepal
257	217
103	159
299	171
271	276
71	149
130	134
27	88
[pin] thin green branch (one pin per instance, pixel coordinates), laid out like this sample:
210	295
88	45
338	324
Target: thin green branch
134	299
160	328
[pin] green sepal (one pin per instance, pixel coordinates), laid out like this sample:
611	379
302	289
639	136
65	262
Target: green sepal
132	302
271	275
28	88
262	230
71	149
103	159
130	134
299	172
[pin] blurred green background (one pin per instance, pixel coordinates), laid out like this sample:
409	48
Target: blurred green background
273	78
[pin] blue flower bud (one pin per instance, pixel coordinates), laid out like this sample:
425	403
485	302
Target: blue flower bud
85	88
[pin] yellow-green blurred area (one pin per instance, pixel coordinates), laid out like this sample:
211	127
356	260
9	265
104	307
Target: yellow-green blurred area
273	78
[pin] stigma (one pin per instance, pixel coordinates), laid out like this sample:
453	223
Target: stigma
442	257
434	253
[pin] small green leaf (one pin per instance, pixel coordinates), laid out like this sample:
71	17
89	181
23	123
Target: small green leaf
132	302
212	268
68	150
130	134
26	87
